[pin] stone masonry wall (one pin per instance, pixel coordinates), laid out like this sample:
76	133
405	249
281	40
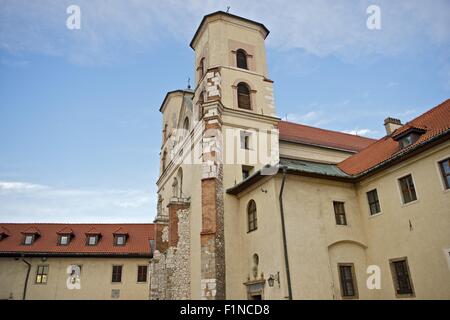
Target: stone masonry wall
170	270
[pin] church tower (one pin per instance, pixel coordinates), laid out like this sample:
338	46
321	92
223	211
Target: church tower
221	125
234	100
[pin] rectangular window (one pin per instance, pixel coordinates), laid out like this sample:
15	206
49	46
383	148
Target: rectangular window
374	203
92	240
401	277
245	140
445	171
117	274
348	281
64	240
42	274
28	239
246	171
119	240
407	188
339	213
142	274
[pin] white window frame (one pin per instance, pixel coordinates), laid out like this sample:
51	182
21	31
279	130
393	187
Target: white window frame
399	189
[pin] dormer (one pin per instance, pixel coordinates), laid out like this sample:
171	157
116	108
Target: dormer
93	236
65	235
4	233
30	235
120	237
408	136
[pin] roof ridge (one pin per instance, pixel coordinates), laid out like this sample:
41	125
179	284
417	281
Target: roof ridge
328	130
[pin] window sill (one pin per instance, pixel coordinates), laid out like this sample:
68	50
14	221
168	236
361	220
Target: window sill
375	215
409	203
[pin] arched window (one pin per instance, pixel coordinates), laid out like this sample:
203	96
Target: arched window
164	159
243	93
175	188
186	125
180	182
201	67
241	59
251	216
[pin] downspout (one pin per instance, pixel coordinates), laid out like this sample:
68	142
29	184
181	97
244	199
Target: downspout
26	279
283	228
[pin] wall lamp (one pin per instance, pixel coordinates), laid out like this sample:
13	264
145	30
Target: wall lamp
274	278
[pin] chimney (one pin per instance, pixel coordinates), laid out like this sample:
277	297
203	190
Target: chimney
392	124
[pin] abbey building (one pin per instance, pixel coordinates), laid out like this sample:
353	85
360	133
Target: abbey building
252	207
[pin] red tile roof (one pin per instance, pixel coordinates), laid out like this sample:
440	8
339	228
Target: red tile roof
138	242
299	133
434	123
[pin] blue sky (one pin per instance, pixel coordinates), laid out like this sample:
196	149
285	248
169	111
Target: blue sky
79	121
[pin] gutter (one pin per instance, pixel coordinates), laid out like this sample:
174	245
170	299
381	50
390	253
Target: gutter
26	279
283	228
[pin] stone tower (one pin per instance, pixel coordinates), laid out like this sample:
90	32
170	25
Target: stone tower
231	103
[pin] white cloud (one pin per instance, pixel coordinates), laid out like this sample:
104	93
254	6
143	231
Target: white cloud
23	201
362	132
318	27
20	186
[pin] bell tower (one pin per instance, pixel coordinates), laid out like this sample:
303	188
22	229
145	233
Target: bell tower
232	93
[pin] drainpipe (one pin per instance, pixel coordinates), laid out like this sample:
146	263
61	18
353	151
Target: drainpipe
26	279
283	228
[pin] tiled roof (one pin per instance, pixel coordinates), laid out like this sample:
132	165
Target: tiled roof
138	242
434	123
299	133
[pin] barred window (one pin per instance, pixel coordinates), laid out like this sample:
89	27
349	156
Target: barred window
374	203
251	216
339	213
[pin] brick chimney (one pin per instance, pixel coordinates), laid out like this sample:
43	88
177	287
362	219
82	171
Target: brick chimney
392	124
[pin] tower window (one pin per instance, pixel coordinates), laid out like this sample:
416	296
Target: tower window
251	216
243	93
241	59
201	68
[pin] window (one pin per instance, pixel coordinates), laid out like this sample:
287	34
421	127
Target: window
164	159
201	68
142	274
374	203
120	240
251	216
186	125
241	59
339	212
42	274
245	140
117	274
401	277
246	171
64	240
28	239
348	281
407	189
445	170
243	93
92	240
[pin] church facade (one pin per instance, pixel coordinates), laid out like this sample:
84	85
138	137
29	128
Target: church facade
252	207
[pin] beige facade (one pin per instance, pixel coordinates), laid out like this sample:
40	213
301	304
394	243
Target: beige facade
228	261
95	279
